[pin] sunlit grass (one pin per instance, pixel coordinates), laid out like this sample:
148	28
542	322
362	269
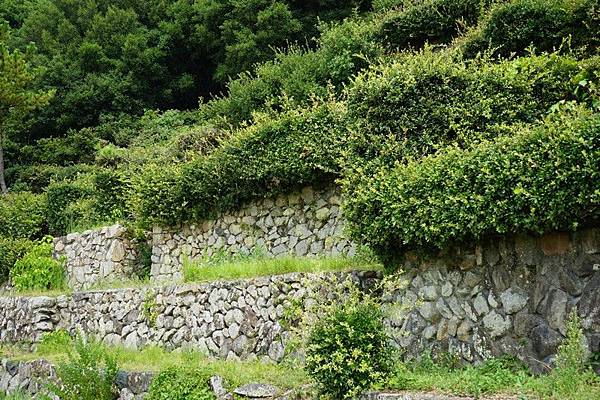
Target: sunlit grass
256	265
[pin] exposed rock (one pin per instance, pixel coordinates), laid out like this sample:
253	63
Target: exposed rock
495	324
513	300
256	390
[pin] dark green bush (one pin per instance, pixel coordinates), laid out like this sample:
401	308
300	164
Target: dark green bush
37	269
432	21
22	215
11	250
511	27
539	179
348	349
427	100
274	155
89	374
176	383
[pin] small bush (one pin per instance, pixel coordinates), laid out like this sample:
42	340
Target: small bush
90	374
348	348
511	27
176	383
539	179
12	250
37	270
22	215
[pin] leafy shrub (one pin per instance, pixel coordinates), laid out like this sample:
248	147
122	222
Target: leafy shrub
348	349
11	250
89	374
539	179
513	26
276	154
22	215
427	100
433	21
176	383
37	270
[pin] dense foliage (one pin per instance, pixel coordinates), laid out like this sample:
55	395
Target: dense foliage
11	250
425	101
513	26
540	178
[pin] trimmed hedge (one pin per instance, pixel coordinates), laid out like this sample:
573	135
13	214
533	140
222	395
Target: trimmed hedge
510	28
276	154
22	215
430	21
425	101
543	178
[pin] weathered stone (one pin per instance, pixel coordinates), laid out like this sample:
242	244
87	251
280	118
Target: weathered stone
555	243
495	324
545	340
256	390
513	300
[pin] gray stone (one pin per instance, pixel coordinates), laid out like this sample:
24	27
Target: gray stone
495	324
256	390
545	340
513	301
480	305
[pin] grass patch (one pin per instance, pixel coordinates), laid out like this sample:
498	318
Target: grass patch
495	376
242	266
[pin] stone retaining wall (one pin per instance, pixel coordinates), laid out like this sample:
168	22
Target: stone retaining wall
229	319
96	255
31	377
510	295
306	223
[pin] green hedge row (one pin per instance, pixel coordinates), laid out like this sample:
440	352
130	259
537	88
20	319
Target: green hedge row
425	101
511	27
541	178
274	155
430	21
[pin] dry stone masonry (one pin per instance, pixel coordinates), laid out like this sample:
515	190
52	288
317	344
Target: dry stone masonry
229	319
510	295
306	223
95	256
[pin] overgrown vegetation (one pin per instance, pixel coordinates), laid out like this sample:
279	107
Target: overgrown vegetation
89	374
